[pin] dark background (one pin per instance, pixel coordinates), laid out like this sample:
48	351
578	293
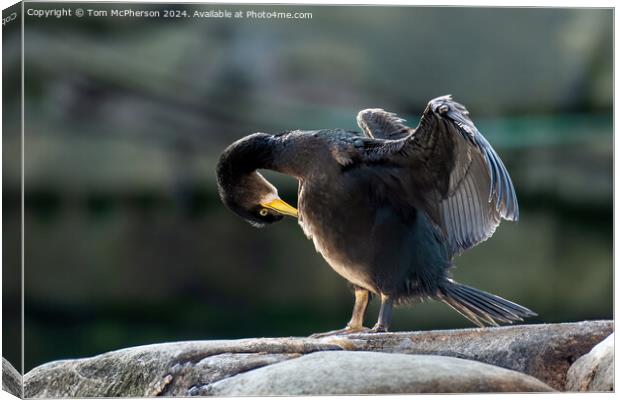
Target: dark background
127	242
11	167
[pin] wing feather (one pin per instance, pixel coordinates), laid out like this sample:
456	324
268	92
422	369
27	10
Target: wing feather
464	182
380	124
484	193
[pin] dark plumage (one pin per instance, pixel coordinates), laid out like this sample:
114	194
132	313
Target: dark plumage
388	210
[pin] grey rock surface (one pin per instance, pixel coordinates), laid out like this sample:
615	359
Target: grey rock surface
11	379
594	372
188	368
161	369
545	351
353	372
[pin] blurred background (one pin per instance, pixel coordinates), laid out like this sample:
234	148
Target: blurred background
127	243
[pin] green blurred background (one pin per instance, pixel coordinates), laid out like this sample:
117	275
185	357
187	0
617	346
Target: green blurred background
127	243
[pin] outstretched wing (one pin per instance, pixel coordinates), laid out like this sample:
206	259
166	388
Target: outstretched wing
466	188
380	124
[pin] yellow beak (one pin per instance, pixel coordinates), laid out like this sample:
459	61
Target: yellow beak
282	207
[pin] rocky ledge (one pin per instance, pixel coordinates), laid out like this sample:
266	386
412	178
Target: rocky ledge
524	358
11	379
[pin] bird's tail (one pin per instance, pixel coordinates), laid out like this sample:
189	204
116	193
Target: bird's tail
481	307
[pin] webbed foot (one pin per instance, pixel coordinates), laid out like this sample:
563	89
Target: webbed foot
378	328
344	331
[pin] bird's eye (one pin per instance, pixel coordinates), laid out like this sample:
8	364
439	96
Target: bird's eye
263	212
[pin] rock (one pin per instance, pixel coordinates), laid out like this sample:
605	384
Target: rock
162	369
594	372
544	351
351	373
11	379
186	368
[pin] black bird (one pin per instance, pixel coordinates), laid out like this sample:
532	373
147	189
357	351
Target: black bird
388	210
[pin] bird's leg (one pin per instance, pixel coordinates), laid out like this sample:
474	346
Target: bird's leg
359	310
356	324
385	314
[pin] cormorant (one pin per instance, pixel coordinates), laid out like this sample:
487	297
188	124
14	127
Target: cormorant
388	210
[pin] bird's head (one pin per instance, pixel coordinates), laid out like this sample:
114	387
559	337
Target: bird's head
255	200
245	191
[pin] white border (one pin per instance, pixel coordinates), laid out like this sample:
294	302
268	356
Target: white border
477	3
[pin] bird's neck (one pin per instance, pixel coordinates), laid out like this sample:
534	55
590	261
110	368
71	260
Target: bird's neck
243	158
